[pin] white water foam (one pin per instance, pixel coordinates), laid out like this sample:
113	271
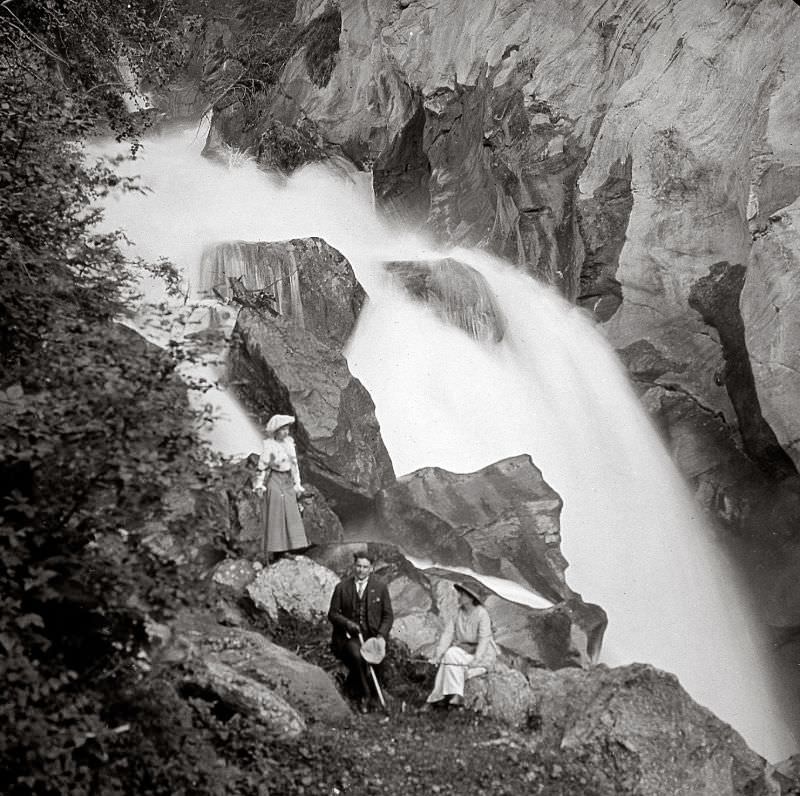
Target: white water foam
552	388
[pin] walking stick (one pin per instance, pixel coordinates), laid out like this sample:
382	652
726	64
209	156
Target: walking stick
374	678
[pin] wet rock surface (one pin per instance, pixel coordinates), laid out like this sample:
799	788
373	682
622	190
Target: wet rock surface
502	520
458	293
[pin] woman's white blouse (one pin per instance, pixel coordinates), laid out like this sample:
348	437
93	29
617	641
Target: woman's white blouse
281	456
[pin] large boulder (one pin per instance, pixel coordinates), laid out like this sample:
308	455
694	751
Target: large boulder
297	585
245	694
287	358
304	279
502	520
251	673
457	292
629	730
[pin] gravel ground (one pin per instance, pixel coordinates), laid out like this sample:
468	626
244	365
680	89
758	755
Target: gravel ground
405	752
442	752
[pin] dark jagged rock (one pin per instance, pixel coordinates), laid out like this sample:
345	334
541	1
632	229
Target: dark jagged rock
502	520
288	359
281	367
602	220
459	294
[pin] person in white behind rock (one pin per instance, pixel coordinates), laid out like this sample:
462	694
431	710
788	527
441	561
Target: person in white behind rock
466	648
278	468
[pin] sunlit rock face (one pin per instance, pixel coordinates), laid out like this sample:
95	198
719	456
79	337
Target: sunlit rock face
770	300
458	293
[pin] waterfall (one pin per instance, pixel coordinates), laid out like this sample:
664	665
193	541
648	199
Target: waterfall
549	386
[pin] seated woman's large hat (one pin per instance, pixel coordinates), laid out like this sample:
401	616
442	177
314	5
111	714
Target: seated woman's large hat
472	589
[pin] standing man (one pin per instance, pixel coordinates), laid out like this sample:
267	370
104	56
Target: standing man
360	606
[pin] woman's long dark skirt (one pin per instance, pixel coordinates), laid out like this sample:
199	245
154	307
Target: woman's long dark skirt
284	526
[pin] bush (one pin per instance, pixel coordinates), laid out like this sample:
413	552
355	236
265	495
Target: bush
95	427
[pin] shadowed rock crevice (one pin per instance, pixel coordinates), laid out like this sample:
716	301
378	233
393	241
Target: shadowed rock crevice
602	220
716	298
402	173
462	196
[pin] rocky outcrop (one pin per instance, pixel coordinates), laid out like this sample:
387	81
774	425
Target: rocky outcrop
574	141
502	520
716	298
769	304
287	358
629	730
250	673
304	280
242	693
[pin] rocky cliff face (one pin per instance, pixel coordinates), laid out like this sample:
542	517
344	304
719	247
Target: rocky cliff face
617	150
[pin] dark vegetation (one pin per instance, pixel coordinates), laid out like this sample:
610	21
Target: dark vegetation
95	428
96	435
244	64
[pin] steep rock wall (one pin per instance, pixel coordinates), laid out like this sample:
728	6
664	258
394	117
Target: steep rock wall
615	149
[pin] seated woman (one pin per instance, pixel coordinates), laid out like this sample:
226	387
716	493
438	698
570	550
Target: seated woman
466	648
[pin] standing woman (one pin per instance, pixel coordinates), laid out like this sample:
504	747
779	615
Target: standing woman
466	648
278	466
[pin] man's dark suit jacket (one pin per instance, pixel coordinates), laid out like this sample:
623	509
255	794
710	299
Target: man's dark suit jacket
343	611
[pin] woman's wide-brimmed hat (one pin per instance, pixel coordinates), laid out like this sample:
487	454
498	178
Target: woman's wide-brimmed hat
373	650
278	421
472	589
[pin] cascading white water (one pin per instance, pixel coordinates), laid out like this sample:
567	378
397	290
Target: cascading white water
552	388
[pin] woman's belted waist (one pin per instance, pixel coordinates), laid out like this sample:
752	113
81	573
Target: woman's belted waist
467	646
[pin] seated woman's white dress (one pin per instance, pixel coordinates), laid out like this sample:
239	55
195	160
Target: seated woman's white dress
466	649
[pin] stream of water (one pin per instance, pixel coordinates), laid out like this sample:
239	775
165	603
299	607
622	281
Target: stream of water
552	387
